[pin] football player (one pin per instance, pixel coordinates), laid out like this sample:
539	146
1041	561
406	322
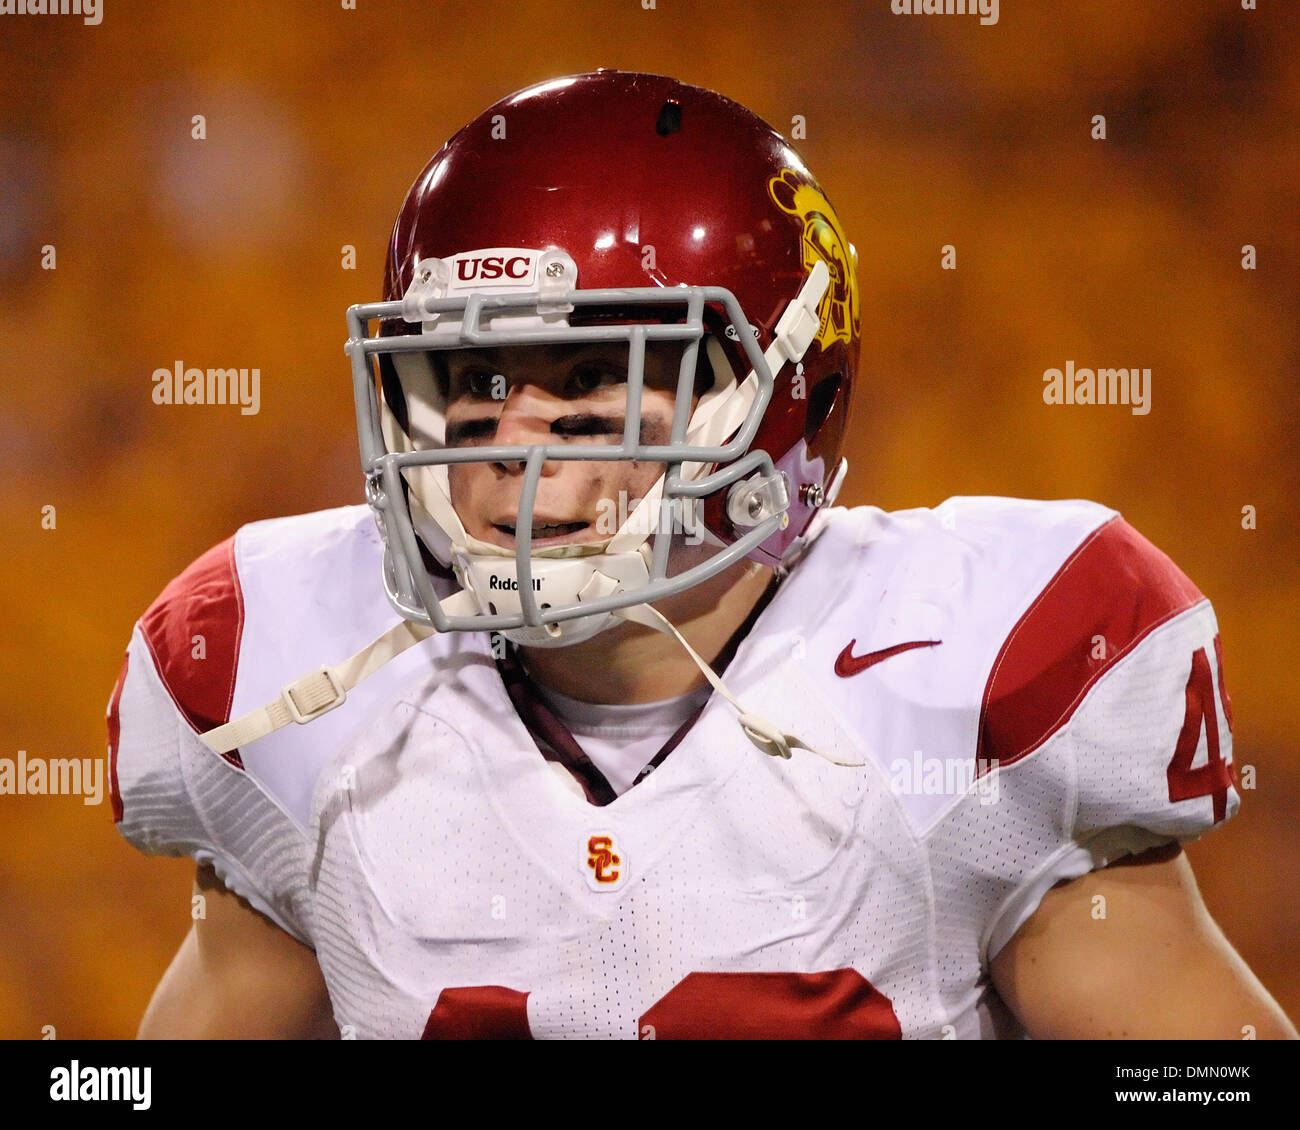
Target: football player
623	728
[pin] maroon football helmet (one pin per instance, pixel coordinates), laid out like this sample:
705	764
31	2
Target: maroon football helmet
611	207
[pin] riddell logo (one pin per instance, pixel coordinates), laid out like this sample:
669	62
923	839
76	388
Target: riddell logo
510	584
495	266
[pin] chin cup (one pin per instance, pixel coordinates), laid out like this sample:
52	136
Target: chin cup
569	583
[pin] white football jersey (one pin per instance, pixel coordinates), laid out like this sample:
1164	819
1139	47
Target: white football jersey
1030	689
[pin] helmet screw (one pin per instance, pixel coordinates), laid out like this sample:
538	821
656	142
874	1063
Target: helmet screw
813	495
754	507
554	270
426	275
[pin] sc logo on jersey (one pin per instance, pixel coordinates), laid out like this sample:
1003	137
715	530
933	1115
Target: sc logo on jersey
604	864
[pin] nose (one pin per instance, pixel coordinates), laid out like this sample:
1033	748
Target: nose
526	417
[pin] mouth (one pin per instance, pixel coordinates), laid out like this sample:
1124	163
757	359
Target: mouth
543	533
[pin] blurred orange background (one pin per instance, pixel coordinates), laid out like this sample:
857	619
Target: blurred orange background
925	131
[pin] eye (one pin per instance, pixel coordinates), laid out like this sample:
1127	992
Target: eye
483	384
591	376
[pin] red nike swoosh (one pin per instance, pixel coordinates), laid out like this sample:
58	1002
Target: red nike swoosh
847	664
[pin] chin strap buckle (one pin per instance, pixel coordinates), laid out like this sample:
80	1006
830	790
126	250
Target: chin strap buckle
318	690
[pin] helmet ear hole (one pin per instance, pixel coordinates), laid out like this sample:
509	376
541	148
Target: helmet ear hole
821	400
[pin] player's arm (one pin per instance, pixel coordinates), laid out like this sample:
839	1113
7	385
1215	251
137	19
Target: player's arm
238	976
1155	966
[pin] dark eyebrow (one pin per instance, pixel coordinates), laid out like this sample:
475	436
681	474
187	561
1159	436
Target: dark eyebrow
459	430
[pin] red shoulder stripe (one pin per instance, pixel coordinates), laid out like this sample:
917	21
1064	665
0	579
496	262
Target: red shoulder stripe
1116	586
201	610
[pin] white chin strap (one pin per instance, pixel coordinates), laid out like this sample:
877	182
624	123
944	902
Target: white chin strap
325	688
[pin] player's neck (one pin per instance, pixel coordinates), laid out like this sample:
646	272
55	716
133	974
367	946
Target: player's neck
631	663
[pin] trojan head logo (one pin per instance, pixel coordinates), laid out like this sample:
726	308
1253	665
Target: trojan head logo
824	240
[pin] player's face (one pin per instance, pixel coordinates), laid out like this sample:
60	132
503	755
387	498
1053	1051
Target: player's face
561	394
